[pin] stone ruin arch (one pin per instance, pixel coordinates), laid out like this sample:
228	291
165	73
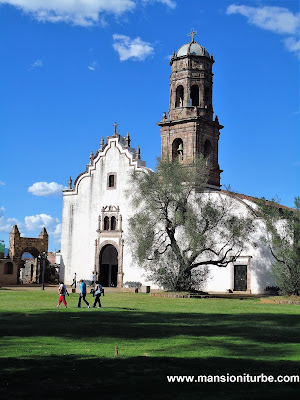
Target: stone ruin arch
18	245
35	246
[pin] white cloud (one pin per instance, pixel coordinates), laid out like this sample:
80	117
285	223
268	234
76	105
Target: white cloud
36	64
92	66
36	222
169	3
275	19
127	48
2	183
56	231
14	221
46	189
32	223
7	223
76	12
5	226
293	45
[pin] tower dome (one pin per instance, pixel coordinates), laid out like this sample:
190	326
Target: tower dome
193	48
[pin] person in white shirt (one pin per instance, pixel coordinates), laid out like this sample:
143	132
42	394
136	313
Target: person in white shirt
62	291
92	279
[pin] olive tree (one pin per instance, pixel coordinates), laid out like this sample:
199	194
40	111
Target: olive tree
283	239
180	228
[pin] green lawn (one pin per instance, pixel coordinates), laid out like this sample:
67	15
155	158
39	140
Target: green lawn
47	352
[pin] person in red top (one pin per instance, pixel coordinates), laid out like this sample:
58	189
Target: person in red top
62	291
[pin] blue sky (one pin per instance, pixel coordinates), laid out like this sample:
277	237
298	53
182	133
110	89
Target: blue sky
69	69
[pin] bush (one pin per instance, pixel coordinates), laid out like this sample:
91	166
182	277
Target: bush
272	290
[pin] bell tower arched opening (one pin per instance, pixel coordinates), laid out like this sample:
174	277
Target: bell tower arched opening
177	149
179	96
108	275
194	101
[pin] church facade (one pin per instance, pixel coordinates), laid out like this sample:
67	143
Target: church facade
97	207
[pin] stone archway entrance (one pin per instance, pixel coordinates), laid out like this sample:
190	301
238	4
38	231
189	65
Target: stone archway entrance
35	246
108	275
30	267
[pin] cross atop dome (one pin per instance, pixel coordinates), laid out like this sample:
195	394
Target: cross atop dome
192	34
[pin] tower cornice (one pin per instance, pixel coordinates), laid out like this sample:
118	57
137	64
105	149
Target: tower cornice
171	122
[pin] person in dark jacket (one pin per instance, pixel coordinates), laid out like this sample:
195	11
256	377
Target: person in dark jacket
82	294
74	281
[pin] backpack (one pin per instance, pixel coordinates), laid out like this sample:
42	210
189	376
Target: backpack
98	289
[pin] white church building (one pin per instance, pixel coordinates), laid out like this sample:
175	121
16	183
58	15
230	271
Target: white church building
97	207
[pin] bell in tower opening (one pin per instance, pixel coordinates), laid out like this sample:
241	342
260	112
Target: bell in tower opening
190	129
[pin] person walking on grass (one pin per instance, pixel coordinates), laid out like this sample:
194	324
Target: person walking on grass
62	291
92	278
74	280
82	294
97	293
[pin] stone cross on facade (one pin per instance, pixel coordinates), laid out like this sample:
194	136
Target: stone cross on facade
192	34
115	126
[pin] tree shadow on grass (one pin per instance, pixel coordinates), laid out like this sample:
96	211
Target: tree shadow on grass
133	324
138	378
238	338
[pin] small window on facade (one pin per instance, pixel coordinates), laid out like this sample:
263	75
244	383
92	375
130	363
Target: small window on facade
106	223
111	180
179	96
8	268
113	223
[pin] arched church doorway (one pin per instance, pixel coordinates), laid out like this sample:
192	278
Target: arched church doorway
108	266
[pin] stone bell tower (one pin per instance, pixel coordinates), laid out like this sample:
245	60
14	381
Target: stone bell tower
189	129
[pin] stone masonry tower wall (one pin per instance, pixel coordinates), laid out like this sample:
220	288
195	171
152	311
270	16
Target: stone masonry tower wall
189	129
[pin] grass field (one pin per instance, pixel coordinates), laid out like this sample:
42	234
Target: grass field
70	353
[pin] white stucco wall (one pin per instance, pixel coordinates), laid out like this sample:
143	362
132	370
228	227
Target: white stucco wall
83	204
255	255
